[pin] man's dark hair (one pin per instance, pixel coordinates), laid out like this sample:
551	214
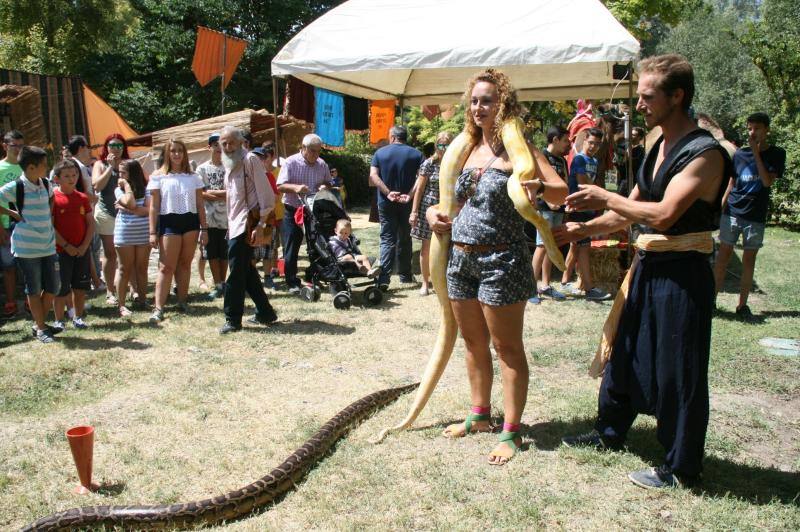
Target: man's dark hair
594	132
555	132
13	134
639	131
248	137
76	142
66	163
399	132
31	156
269	147
759	118
675	72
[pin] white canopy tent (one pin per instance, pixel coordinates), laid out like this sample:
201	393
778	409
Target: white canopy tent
423	51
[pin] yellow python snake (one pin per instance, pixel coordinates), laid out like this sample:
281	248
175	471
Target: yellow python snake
524	168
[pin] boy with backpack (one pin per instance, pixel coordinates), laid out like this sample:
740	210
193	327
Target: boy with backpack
33	241
74	227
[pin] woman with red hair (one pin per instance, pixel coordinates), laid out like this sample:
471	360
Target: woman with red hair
105	175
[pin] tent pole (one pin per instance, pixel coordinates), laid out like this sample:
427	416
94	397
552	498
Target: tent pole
629	154
222	82
402	115
275	115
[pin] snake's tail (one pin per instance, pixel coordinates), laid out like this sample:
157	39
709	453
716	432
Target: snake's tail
446	339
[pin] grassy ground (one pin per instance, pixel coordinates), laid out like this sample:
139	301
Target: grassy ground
182	413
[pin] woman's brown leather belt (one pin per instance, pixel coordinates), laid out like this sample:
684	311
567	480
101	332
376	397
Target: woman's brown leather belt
480	248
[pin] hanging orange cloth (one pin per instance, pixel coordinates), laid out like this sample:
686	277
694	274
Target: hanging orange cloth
208	61
381	119
102	120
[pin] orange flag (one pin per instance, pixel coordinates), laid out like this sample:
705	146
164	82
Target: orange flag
208	55
381	119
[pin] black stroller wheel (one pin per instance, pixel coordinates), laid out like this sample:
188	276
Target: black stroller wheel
307	293
373	296
341	301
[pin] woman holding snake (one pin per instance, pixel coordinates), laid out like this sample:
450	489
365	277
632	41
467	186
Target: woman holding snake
489	277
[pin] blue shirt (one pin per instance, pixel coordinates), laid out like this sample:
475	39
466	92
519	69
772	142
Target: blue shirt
749	198
582	164
34	236
397	165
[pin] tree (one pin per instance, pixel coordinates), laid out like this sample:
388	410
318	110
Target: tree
55	36
728	85
641	16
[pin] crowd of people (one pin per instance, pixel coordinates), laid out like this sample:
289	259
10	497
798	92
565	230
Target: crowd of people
661	341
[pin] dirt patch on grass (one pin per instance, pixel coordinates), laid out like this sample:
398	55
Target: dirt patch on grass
765	427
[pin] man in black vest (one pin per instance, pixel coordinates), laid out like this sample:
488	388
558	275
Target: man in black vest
659	353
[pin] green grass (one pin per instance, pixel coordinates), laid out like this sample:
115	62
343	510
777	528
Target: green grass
182	413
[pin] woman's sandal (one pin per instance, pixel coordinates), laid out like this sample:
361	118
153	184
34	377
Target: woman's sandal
450	432
508	438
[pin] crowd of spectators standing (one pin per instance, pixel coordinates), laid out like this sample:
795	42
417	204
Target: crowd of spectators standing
89	224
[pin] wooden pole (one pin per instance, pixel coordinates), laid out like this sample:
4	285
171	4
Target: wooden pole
275	115
629	153
222	83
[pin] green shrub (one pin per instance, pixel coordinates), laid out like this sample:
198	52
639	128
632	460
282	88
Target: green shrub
354	171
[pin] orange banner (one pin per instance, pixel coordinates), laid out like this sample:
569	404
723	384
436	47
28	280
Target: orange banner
381	118
102	120
208	55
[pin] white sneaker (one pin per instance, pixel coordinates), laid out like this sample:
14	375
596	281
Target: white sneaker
78	323
58	325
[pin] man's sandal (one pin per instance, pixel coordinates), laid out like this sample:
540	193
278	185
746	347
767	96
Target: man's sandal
450	431
508	438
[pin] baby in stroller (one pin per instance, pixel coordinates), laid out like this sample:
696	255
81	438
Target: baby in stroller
346	251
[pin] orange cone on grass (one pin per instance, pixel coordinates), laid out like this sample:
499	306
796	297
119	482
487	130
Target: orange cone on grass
81	443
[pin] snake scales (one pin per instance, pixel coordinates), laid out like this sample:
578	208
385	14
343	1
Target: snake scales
233	504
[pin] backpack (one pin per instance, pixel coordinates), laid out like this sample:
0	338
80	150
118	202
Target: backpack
20	203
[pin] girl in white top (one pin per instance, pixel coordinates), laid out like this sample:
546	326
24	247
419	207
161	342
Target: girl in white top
176	217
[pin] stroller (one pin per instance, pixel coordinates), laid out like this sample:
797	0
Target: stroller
320	214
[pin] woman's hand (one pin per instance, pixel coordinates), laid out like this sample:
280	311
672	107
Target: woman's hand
439	221
413	219
112	160
532	188
204	237
153	240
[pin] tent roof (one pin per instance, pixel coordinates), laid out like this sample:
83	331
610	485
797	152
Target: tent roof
425	51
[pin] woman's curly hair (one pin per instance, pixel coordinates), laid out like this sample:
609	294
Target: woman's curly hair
509	105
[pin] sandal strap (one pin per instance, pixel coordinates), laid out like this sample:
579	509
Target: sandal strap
508	437
473	417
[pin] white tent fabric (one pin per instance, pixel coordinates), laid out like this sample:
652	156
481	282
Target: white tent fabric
425	50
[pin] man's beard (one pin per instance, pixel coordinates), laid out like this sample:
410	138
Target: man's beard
230	161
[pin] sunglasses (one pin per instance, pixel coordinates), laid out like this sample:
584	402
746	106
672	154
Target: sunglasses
116	145
442	146
14	145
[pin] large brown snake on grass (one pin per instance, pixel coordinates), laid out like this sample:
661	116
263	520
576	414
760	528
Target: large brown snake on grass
233	504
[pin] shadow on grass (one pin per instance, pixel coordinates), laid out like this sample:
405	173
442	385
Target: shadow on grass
758	317
721	477
112	488
101	344
312	327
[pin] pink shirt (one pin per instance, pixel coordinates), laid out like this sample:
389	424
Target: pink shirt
258	194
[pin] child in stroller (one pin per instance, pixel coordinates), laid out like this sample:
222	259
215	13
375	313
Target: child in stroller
320	215
346	251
